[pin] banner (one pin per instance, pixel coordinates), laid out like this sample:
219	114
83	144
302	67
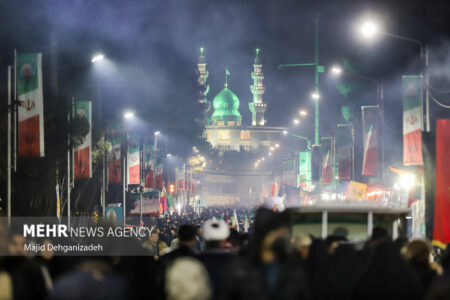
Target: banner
82	161
181	179
133	159
344	144
327	164
356	191
412	120
305	170
31	109
370	138
114	137
441	231
149	165
158	163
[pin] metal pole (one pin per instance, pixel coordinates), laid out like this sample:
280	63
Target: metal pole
353	152
69	171
427	91
141	187
15	111
316	123
104	184
124	211
8	164
383	133
369	224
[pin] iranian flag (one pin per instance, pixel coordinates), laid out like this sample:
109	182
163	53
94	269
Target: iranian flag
370	136
326	162
412	120
133	159
114	137
344	142
148	167
31	110
82	162
159	169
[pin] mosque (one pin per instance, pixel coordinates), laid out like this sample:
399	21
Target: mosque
224	128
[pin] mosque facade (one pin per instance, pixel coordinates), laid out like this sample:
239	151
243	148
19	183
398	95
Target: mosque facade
224	129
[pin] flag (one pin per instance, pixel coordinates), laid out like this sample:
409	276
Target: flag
163	200
158	163
370	138
31	109
441	228
133	159
181	179
114	137
148	165
305	169
235	221
412	120
170	201
326	162
83	150
344	142
246	222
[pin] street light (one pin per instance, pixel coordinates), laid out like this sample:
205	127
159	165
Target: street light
278	145
315	96
296	121
128	114
369	29
97	57
285	132
303	113
169	155
336	70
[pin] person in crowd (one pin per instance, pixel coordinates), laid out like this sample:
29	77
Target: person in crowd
199	240
386	275
418	254
154	245
216	256
94	278
333	241
301	246
187	279
266	270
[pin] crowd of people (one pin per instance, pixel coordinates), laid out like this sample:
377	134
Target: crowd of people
201	255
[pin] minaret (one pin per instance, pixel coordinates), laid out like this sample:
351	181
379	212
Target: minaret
257	107
202	77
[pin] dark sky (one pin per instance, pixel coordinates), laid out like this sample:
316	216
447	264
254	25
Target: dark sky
154	48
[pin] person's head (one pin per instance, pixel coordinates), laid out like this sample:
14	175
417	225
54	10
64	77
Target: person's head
301	245
186	235
271	236
16	244
417	251
215	233
154	237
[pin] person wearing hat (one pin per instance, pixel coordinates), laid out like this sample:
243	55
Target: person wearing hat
216	257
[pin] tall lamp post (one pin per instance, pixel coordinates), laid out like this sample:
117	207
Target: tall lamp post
318	69
369	29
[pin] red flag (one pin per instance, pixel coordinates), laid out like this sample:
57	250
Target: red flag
370	136
441	228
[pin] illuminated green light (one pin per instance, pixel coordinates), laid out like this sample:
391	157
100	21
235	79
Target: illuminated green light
201	49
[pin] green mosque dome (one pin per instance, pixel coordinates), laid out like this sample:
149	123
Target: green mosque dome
226	105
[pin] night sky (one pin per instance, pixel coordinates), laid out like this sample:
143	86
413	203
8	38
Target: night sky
152	49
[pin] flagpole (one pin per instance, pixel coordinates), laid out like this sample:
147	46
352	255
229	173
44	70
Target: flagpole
8	164
69	171
141	167
15	110
123	189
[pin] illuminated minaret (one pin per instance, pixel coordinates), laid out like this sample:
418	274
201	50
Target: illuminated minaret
257	107
202	77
